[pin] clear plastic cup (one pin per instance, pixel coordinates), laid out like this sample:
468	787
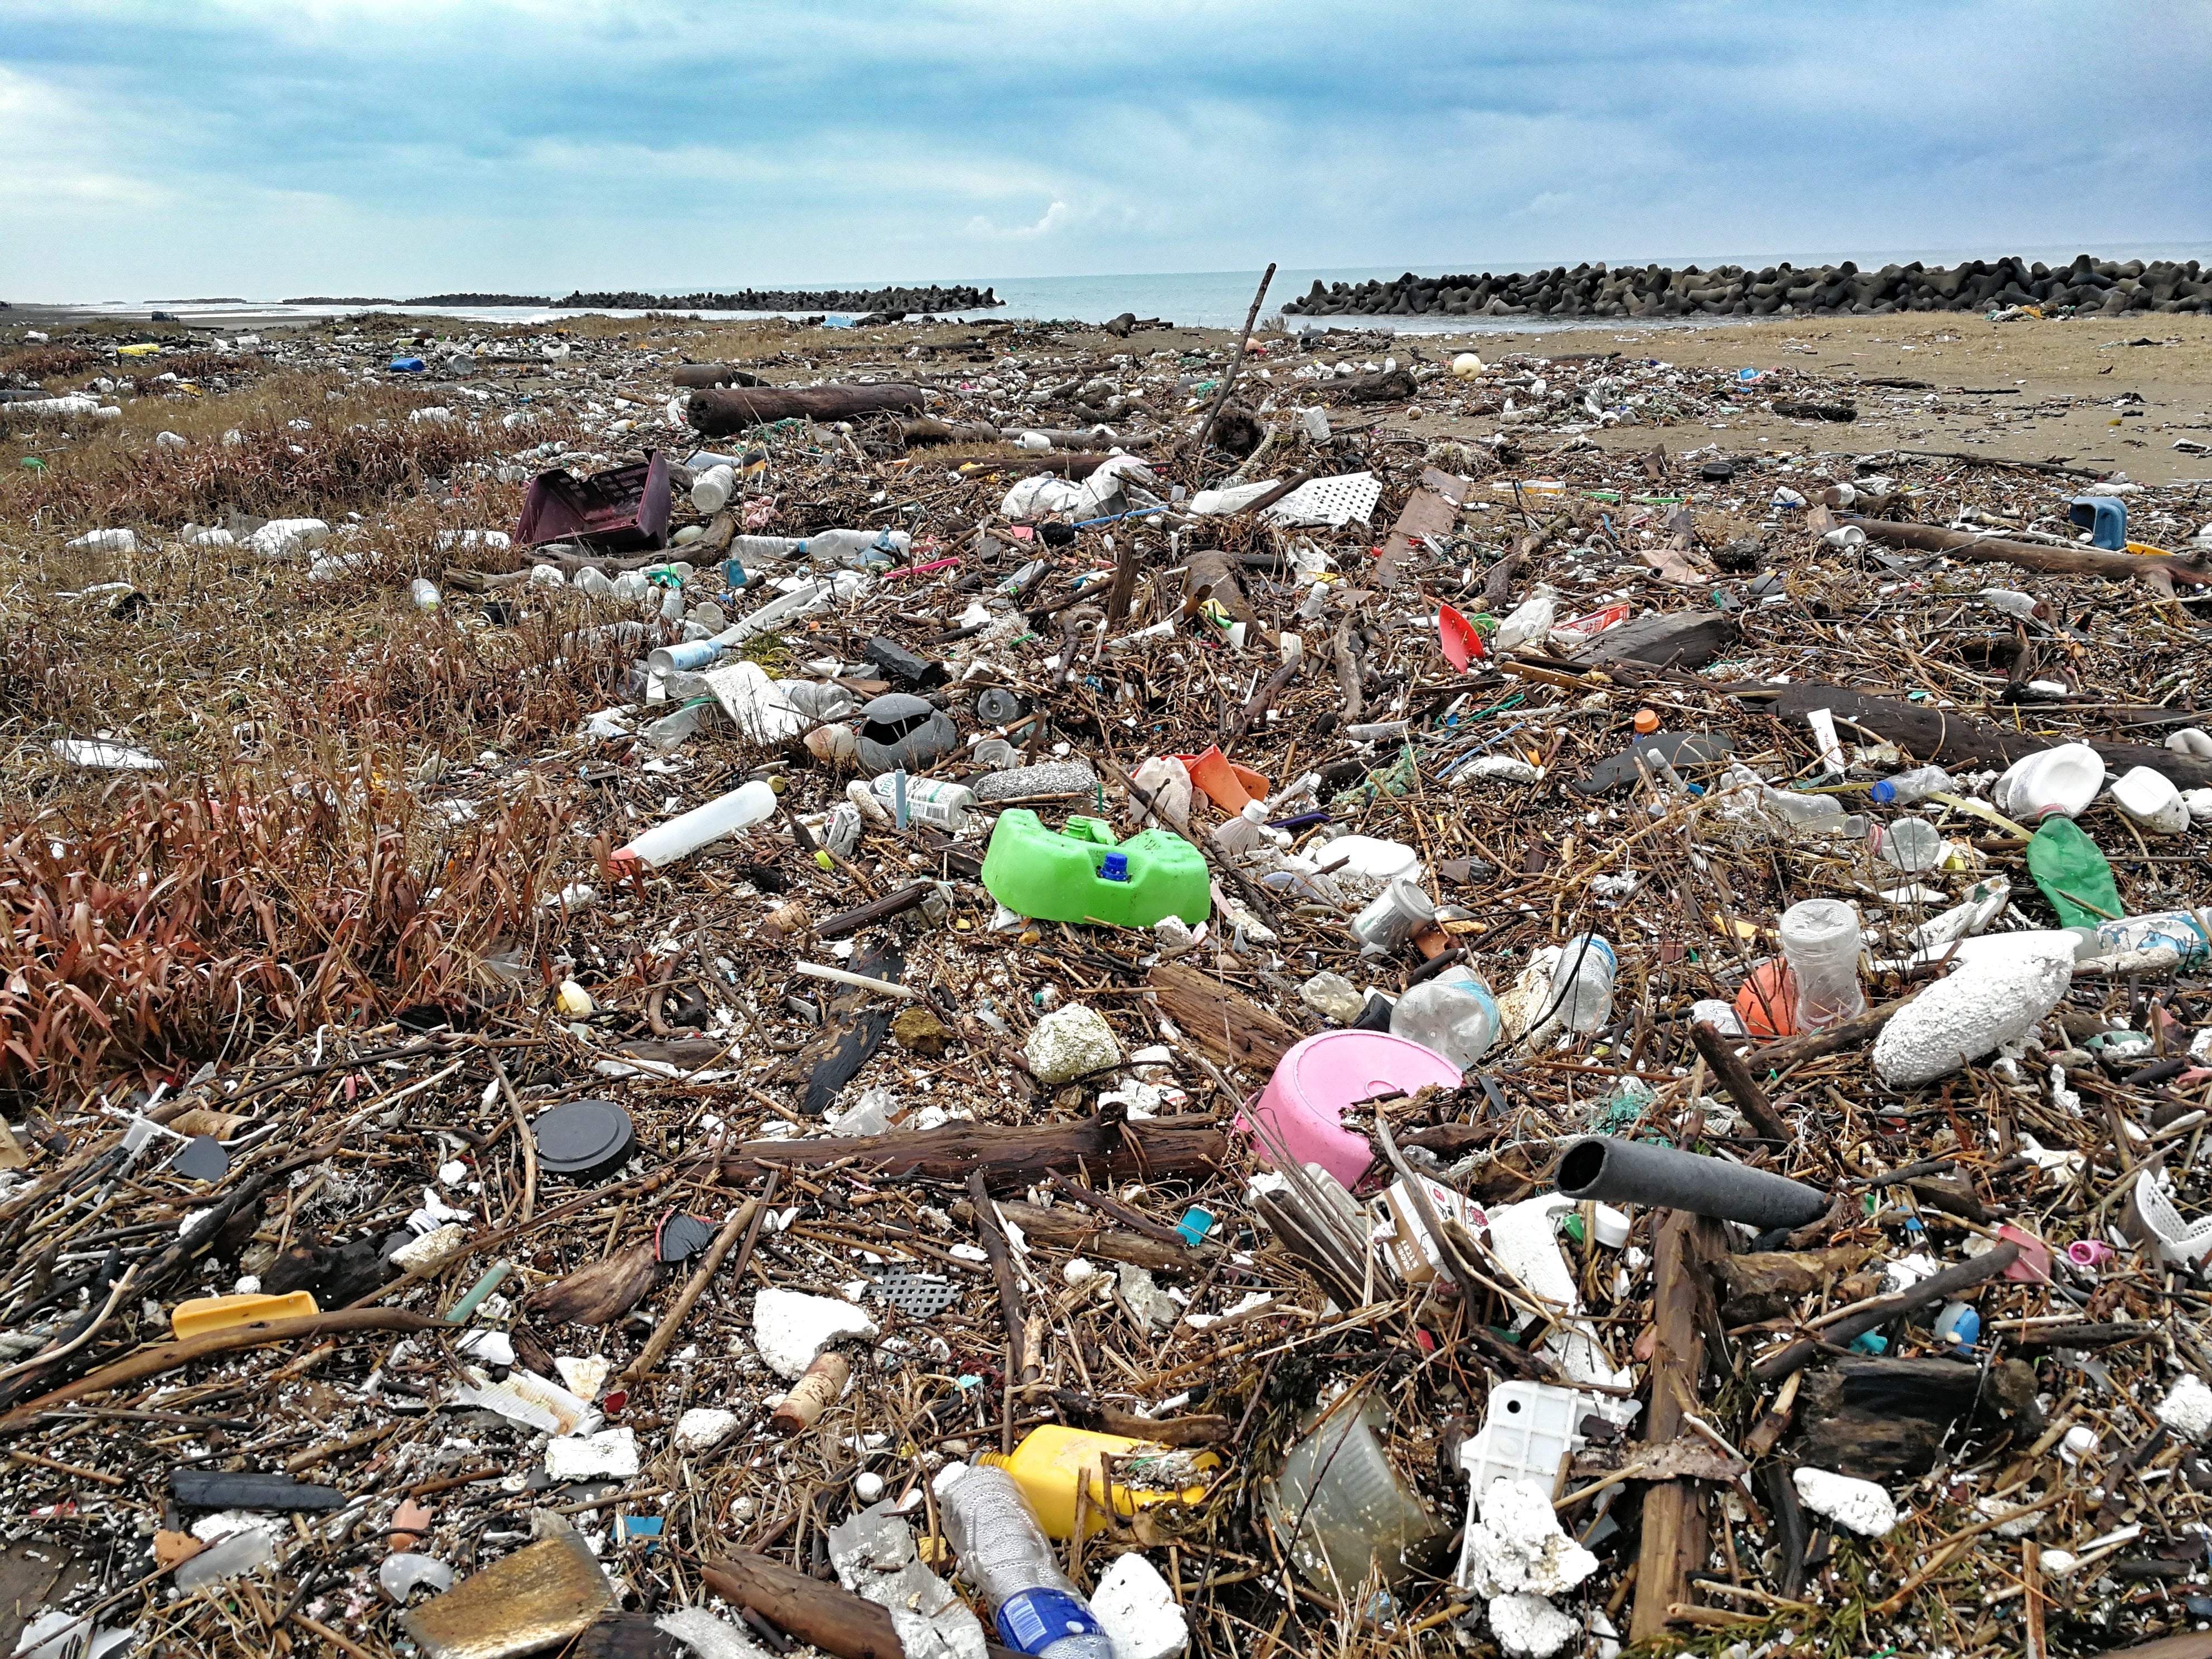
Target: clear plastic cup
1821	939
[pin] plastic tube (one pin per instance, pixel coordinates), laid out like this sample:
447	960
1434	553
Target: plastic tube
1636	1172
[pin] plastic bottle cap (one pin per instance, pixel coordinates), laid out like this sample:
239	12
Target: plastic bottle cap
1646	722
1115	866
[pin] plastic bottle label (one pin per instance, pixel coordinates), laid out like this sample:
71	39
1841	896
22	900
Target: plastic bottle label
1034	1619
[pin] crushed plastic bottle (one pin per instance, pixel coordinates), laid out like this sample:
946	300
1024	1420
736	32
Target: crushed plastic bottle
1004	1553
1587	965
424	593
1454	1015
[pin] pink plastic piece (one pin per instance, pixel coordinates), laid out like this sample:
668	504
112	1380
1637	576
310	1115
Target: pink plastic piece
1302	1108
2034	1264
2089	1252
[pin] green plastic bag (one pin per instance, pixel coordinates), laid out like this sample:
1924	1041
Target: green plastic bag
2073	874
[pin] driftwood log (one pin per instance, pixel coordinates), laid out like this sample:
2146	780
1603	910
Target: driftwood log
716	413
1942	737
1965	545
822	1614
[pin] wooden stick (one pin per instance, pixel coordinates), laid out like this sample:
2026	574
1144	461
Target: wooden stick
1236	362
160	1360
522	1134
1010	1290
1736	1076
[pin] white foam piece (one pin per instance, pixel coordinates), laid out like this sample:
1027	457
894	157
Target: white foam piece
1974	1012
1861	1505
1138	1611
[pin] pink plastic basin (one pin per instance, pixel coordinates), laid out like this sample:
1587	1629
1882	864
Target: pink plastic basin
1303	1106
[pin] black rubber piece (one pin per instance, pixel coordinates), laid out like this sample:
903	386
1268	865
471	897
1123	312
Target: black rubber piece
202	1158
1636	1172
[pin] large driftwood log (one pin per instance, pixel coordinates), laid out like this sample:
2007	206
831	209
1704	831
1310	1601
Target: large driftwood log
1010	1158
716	413
1945	737
822	1614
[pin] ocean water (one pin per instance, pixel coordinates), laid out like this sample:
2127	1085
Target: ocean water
1206	298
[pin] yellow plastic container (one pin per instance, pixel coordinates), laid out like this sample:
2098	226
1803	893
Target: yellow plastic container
1054	1462
218	1312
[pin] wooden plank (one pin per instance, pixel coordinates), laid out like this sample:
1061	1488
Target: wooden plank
1674	1539
1226	1024
1431	510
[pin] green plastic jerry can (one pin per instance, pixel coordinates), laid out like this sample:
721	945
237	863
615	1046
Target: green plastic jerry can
1081	874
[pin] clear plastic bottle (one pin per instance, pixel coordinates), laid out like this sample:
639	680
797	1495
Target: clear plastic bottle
1453	1015
1004	1553
1584	985
1908	788
857	548
2189	933
424	593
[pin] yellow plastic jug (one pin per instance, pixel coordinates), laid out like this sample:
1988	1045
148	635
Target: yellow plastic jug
1054	1462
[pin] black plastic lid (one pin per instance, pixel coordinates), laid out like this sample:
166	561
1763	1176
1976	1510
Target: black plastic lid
584	1138
682	1237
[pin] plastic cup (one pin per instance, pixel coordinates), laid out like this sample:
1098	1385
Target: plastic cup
1821	939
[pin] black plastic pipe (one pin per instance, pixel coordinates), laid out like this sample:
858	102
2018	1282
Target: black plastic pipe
1636	1172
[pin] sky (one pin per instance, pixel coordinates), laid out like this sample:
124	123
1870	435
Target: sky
393	148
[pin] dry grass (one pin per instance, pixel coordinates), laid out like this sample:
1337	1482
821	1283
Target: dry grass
191	920
356	451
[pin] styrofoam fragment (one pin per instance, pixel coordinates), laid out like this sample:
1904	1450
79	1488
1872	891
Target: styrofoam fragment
1138	1611
791	1328
1861	1505
701	1426
1529	1627
706	1635
1068	1042
609	1455
433	1250
1972	1013
2187	1407
1519	1544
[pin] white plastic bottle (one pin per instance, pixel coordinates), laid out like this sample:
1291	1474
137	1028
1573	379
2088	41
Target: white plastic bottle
1586	966
424	593
1453	1014
1909	788
747	804
713	489
937	802
1005	1554
1240	833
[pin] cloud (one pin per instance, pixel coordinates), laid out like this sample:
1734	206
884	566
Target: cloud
1057	214
403	146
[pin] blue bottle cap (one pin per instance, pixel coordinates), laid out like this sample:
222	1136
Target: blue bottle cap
1885	792
1113	867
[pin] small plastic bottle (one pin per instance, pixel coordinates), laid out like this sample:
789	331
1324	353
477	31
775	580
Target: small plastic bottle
1586	966
1453	1015
1240	833
1529	623
424	593
1909	788
1821	939
1005	1554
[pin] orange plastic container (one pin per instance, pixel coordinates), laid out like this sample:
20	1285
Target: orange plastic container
1054	1462
219	1313
1227	785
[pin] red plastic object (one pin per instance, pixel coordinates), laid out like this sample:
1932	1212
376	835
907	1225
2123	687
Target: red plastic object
2034	1264
625	508
1596	622
1461	644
